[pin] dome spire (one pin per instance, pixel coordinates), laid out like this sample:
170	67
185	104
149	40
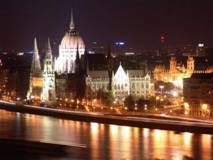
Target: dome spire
72	24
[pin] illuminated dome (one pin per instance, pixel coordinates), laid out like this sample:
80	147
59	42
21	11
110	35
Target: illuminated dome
72	40
71	44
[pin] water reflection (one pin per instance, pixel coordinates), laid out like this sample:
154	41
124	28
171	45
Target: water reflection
107	141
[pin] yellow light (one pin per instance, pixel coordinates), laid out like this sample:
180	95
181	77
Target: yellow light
157	98
186	106
178	82
161	87
204	106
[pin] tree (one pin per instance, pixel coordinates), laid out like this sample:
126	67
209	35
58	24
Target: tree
108	98
105	97
141	102
129	102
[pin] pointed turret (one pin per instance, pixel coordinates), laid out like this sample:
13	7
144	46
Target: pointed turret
49	50
36	66
48	91
35	49
72	24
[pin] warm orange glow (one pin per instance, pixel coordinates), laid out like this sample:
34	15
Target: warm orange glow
37	82
186	106
204	107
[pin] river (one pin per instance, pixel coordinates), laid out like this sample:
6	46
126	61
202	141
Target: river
102	141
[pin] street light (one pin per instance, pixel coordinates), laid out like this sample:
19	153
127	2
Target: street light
186	106
136	108
204	107
145	107
161	87
156	99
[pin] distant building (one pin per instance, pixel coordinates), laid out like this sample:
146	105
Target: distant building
124	83
176	72
198	94
200	50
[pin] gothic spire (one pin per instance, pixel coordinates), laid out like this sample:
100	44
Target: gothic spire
35	45
36	66
49	50
72	24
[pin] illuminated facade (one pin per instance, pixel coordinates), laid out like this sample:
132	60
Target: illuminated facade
48	90
124	83
70	43
36	79
176	73
198	94
42	81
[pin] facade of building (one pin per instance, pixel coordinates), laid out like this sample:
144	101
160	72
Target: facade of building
198	94
42	79
67	76
176	73
124	83
51	79
48	90
36	79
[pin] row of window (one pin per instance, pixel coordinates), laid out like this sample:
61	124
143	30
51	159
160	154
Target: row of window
140	85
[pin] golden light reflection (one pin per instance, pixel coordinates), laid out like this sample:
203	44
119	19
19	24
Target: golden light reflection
187	138
146	132
94	127
114	145
95	139
135	133
160	143
126	132
126	147
206	147
114	129
158	134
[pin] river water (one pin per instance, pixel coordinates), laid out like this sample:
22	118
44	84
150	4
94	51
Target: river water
102	141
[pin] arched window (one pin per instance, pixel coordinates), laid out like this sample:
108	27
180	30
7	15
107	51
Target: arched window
122	86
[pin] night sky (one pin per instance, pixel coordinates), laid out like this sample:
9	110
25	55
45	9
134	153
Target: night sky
138	22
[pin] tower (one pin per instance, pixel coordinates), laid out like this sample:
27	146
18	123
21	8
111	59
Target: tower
48	90
36	83
173	64
190	64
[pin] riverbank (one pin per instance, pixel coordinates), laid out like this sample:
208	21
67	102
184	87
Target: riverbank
33	150
176	125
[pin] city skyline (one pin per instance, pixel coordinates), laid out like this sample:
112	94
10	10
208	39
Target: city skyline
139	23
